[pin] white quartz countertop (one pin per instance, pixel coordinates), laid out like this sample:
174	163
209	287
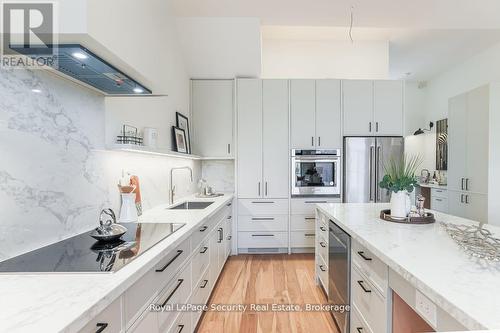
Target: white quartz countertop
467	288
430	185
65	302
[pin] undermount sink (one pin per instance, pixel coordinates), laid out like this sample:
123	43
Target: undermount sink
192	205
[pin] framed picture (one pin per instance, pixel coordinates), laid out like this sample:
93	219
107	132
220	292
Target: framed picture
180	139
183	123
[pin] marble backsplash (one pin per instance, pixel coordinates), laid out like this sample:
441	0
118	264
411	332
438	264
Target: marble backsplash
219	174
55	174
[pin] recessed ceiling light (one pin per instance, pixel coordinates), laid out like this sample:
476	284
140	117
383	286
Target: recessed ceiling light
138	90
36	91
79	55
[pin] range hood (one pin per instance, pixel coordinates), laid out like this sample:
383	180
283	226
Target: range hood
83	65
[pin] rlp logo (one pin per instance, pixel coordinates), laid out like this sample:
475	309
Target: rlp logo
28	25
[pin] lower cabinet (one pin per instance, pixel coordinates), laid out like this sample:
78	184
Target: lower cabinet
473	206
186	275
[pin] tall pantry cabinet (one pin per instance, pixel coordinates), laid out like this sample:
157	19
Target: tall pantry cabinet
262	163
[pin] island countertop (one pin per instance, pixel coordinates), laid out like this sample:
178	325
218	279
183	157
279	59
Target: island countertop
65	302
466	287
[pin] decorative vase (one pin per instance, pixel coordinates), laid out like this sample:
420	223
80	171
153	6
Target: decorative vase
400	204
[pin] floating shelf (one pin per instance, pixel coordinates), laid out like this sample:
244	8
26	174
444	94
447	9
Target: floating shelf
149	151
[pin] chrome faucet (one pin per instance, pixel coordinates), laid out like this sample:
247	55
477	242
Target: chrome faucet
172	187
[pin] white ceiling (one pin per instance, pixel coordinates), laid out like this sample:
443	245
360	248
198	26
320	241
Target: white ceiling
421	14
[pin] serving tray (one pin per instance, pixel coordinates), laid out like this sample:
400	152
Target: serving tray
428	218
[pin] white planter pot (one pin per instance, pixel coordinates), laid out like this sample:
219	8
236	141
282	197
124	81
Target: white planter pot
400	204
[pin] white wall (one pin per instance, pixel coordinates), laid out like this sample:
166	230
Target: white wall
286	58
221	48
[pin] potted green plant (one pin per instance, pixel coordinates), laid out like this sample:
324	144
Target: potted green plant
400	179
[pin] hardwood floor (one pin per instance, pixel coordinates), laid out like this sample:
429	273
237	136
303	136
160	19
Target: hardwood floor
267	279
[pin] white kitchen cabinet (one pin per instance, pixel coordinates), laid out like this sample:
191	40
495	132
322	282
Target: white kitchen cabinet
358	107
263	157
302	109
110	319
147	323
315	108
249	138
373	108
388	107
328	114
275	138
469	205
457	142
212	105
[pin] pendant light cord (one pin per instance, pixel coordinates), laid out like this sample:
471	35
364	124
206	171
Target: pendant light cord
351	24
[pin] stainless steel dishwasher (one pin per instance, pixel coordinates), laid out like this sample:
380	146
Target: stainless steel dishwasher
339	274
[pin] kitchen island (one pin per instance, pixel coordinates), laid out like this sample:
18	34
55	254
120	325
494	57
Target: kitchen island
426	258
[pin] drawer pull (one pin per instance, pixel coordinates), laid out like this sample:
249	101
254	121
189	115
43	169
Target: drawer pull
323	244
362	255
179	252
229	204
229	217
262	202
439	200
229	237
316	202
309	235
180	328
322	228
262	235
203	228
322	268
101	327
204	249
262	218
310	218
362	285
221	235
179	282
359	329
205	282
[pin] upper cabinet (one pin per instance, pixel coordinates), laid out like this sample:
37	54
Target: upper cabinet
212	104
315	107
373	108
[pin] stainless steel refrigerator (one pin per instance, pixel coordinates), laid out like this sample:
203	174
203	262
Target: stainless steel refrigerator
364	159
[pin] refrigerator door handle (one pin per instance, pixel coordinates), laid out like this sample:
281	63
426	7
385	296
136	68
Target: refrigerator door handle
372	152
377	171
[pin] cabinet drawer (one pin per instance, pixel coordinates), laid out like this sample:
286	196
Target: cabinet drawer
439	193
439	204
257	207
201	290
110	318
147	323
322	271
306	206
138	297
369	302
302	239
322	230
182	324
322	247
201	259
262	239
358	324
263	223
302	222
177	292
371	266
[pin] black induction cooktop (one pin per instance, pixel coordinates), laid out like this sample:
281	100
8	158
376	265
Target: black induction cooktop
83	254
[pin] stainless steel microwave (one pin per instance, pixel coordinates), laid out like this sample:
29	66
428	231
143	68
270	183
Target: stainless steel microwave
316	172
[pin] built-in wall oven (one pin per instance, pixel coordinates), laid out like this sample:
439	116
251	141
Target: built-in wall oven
316	172
339	274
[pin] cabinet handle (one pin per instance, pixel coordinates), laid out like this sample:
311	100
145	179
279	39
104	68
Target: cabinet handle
323	244
466	198
266	189
376	126
322	268
362	255
179	282
259	189
229	217
370	127
229	237
463	179
315	202
466	184
262	202
229	204
262	235
180	328
361	284
359	329
203	228
309	235
439	200
205	282
322	229
319	141
310	218
101	327
204	249
179	252
262	218
221	235
462	198
229	148
312	141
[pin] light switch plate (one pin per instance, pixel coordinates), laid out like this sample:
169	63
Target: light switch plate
426	308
